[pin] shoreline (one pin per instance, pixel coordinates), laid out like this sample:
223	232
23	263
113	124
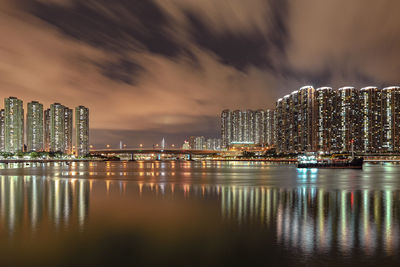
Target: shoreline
47	160
105	160
289	161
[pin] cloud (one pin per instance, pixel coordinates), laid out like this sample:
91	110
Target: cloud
221	16
65	3
170	66
37	62
176	92
357	41
132	89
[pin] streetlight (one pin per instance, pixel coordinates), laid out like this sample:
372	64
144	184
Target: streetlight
108	146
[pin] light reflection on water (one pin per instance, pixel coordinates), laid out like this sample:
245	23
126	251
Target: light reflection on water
318	220
27	201
314	211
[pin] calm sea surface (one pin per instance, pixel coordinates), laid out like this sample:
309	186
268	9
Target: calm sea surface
198	214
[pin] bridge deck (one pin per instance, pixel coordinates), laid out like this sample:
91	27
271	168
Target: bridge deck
153	151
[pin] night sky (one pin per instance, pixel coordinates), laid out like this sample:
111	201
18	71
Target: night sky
167	68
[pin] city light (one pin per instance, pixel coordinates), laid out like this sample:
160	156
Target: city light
260	132
337	121
247	127
47	130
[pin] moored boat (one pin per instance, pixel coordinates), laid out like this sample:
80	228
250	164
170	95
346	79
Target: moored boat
311	161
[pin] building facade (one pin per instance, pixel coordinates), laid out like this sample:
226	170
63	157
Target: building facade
68	130
280	126
34	127
213	144
57	127
197	142
269	121
295	115
305	126
247	127
82	131
2	131
371	111
13	125
237	126
325	103
348	120
46	130
390	119
365	120
226	127
259	127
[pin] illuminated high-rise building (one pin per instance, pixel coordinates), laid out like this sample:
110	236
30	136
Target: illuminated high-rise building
348	120
213	144
280	125
292	113
237	126
13	125
269	127
263	127
46	129
82	131
259	127
226	128
57	127
365	120
371	111
294	121
247	127
391	119
68	130
289	129
325	104
2	131
306	118
197	142
34	126
192	140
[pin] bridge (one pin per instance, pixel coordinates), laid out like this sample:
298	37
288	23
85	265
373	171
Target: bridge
188	153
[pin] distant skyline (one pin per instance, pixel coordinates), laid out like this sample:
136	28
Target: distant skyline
167	68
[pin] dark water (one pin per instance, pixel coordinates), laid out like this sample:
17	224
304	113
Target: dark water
198	213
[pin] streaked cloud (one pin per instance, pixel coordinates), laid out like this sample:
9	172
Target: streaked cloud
170	66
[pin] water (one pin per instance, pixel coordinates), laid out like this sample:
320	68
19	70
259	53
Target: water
198	213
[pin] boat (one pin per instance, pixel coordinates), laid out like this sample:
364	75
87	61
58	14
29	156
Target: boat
311	161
